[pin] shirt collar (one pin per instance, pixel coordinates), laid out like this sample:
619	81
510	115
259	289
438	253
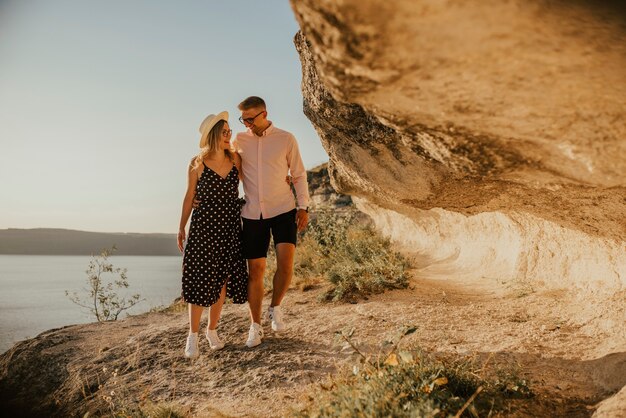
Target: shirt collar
266	132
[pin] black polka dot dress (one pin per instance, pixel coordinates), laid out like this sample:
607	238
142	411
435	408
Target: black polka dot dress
213	254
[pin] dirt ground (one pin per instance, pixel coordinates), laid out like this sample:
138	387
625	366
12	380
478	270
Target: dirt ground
112	365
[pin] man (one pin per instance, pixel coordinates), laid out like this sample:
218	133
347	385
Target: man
268	154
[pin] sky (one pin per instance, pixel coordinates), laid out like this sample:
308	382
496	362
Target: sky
100	103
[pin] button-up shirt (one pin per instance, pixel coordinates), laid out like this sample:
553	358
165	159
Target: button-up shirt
266	160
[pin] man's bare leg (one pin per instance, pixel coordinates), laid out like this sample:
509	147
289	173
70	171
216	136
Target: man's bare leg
285	253
256	270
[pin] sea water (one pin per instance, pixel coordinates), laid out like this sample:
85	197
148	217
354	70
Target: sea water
32	290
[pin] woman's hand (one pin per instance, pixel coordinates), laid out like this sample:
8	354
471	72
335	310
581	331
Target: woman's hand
181	240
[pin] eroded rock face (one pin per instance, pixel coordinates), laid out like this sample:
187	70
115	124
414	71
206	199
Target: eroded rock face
473	107
493	132
323	196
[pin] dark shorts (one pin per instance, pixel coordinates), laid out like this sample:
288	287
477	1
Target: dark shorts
256	233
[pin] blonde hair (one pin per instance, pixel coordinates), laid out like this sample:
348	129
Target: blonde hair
212	145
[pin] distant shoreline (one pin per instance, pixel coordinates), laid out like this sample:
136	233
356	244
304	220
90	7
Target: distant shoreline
54	241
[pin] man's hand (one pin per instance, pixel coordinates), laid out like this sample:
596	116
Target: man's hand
181	240
302	219
196	203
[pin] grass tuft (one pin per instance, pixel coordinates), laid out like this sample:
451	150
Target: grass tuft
409	383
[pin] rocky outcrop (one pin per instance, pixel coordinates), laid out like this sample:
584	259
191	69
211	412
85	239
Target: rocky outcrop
487	138
323	196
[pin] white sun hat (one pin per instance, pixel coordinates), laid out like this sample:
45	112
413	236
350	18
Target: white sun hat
208	123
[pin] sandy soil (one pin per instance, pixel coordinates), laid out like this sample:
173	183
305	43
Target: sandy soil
140	358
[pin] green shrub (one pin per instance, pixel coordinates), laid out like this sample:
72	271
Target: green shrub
354	258
409	383
101	298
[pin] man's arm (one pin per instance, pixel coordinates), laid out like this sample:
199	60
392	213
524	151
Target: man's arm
298	174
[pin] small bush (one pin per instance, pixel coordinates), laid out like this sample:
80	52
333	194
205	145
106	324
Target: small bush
101	298
408	383
354	258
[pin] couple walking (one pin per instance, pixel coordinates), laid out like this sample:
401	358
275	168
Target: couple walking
226	230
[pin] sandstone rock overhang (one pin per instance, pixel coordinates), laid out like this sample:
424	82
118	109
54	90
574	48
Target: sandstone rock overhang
472	106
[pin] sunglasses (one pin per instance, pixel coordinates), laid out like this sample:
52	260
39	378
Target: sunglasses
226	133
249	121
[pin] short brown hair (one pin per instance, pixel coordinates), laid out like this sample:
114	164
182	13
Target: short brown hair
252	102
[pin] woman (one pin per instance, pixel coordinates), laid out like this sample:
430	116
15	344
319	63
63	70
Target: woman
213	266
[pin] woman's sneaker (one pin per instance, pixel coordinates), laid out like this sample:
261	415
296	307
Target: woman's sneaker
255	335
214	341
191	348
275	315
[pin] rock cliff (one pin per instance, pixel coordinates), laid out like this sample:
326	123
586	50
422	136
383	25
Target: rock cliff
487	138
323	196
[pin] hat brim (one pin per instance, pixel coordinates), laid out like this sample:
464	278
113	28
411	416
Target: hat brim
206	126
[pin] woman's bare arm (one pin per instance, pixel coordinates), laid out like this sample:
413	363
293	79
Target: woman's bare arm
192	181
237	162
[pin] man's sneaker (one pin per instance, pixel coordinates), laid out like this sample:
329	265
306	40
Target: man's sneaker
254	335
191	348
214	341
275	315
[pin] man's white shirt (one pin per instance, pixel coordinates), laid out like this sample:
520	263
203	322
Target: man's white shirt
266	161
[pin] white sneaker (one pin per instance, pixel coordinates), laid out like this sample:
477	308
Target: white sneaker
254	335
275	315
214	341
191	348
